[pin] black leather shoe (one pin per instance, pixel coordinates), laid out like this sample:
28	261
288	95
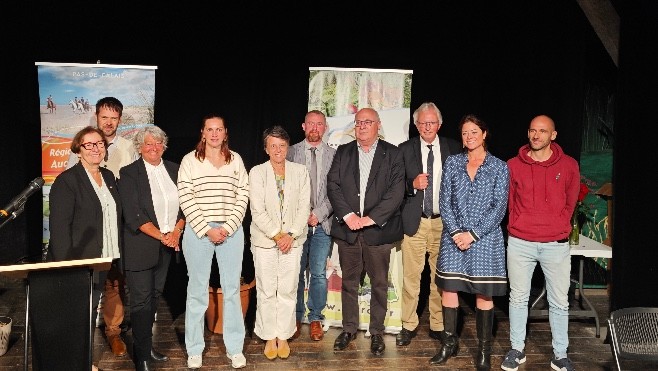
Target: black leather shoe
343	340
436	335
404	337
158	357
142	366
377	345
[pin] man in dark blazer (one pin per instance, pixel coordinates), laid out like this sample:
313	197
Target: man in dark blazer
365	186
422	225
149	241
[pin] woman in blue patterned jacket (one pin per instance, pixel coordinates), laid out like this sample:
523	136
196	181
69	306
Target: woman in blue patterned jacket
473	202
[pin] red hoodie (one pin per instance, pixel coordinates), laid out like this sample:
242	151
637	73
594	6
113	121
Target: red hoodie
542	195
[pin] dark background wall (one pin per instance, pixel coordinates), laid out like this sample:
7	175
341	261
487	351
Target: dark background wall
506	61
635	256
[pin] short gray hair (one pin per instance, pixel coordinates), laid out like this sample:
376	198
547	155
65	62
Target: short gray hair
428	106
276	131
157	134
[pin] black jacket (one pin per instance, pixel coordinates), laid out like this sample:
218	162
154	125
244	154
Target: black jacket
76	217
141	250
383	197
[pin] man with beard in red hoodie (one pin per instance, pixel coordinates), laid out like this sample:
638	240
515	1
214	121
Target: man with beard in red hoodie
544	185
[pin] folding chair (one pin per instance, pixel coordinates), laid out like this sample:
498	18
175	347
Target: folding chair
634	334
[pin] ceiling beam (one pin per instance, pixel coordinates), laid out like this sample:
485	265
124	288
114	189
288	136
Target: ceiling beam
604	19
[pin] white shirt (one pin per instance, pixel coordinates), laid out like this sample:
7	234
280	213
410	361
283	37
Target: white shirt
436	169
110	227
164	194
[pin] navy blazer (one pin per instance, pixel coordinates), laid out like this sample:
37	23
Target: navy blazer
384	193
412	207
76	216
141	250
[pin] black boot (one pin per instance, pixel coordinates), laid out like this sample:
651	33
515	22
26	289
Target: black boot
484	324
450	340
142	366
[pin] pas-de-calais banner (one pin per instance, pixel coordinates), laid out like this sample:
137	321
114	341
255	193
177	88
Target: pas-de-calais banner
339	93
68	93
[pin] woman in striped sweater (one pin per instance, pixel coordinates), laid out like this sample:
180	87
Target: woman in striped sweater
213	189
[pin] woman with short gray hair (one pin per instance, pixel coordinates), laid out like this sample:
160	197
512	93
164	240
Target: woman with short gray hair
153	224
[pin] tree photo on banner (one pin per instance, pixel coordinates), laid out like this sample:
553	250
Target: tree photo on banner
339	93
68	93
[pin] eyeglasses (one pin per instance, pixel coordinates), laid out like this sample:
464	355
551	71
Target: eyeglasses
90	145
151	145
364	123
427	123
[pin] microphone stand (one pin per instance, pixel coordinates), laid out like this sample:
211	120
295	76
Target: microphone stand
13	215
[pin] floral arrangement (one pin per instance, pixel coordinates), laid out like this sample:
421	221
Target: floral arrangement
580	214
582	211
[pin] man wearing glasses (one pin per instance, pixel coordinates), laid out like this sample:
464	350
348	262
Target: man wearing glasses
119	153
423	156
317	156
365	186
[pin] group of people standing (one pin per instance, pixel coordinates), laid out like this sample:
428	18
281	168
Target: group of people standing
538	189
138	227
441	199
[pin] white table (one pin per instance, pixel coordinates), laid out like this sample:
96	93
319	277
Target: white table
587	248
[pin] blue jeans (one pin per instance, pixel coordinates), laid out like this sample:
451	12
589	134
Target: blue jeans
314	254
198	256
555	261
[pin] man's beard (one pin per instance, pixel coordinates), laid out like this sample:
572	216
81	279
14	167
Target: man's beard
313	137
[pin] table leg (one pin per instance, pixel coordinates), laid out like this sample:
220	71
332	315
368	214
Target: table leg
581	291
27	324
539	297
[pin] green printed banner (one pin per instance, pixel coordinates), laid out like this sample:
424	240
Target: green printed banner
339	93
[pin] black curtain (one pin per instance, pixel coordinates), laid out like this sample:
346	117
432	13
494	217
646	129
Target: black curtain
505	61
635	252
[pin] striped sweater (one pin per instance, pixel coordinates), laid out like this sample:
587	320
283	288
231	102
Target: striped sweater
208	194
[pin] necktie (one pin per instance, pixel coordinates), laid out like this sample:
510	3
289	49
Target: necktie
314	176
107	152
429	191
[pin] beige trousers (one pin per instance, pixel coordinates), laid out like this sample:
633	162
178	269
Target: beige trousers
113	294
414	248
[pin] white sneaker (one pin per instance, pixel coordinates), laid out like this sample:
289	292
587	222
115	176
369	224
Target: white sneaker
237	360
194	361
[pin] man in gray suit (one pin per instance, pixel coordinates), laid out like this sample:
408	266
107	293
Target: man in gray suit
317	156
365	186
421	219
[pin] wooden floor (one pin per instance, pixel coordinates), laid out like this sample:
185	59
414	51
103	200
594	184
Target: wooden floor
586	351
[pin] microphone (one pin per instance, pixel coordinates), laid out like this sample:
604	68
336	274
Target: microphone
17	203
